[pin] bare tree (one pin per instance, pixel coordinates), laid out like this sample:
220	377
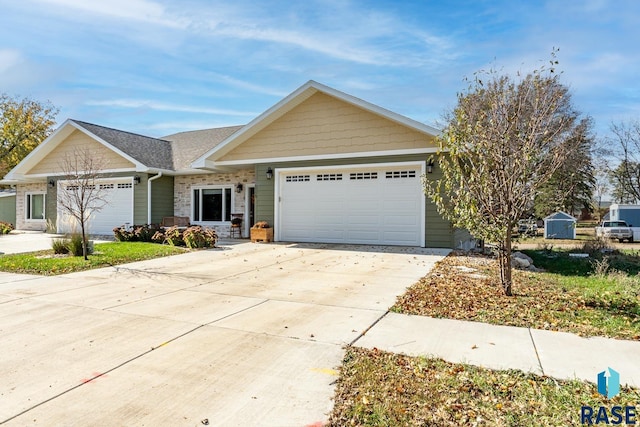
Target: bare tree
501	143
602	184
82	195
625	145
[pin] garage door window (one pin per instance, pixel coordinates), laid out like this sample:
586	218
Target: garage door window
212	204
35	206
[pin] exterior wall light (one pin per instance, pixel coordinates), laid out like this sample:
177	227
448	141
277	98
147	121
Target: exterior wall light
430	166
239	188
269	173
136	179
52	183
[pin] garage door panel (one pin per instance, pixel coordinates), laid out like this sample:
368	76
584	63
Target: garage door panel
368	205
117	211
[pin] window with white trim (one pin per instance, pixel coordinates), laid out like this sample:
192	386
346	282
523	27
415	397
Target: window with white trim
211	204
35	206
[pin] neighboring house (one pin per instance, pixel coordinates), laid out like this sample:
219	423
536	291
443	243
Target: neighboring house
320	166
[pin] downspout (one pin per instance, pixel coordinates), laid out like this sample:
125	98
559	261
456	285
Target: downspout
149	195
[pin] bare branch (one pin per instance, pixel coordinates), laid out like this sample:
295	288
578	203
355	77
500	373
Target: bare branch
81	195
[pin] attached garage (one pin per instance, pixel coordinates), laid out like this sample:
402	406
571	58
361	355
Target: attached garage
118	194
363	204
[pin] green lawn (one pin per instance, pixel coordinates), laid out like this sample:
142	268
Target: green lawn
106	254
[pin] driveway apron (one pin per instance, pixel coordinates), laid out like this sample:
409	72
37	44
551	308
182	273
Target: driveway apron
245	334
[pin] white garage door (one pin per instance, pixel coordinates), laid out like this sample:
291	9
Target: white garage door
366	205
118	211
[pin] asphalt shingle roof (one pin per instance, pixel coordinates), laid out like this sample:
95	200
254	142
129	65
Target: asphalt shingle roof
172	152
188	146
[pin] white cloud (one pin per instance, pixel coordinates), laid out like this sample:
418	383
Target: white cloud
161	106
138	10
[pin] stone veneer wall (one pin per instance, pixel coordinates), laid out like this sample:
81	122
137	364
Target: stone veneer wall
21	222
183	185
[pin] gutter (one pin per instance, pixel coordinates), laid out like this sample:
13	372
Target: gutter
149	195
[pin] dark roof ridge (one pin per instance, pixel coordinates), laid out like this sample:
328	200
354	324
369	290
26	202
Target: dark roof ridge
202	130
81	122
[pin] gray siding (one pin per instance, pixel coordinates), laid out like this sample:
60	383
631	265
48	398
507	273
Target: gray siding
8	209
140	200
264	193
559	229
161	198
438	231
51	207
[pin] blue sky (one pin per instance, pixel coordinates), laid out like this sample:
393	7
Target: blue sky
156	67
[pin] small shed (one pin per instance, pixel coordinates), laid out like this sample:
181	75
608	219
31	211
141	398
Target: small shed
560	225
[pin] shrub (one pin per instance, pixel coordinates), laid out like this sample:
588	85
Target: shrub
5	227
173	236
599	244
75	245
198	237
158	237
60	246
137	233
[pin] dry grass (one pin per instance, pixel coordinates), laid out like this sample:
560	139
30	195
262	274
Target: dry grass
383	389
466	287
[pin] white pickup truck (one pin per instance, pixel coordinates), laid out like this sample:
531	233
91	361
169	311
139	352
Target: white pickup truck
615	230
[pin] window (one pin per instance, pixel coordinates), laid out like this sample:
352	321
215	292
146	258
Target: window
363	175
212	204
329	177
35	206
400	174
298	178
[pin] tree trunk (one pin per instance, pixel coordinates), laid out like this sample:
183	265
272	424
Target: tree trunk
84	242
504	259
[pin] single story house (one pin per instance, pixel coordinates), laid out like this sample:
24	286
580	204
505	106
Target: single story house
319	166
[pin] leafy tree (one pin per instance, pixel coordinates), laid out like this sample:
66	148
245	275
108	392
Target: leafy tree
504	140
24	123
82	194
571	187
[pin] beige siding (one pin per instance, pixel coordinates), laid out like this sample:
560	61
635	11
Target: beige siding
324	125
51	164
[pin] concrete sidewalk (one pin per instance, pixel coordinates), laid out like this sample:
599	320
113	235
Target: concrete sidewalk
557	354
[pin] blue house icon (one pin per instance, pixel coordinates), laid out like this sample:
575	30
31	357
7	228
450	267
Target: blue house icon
609	383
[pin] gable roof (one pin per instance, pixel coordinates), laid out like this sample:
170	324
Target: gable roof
561	216
169	154
150	152
187	146
291	101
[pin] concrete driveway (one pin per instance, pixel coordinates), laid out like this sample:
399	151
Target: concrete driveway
246	334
